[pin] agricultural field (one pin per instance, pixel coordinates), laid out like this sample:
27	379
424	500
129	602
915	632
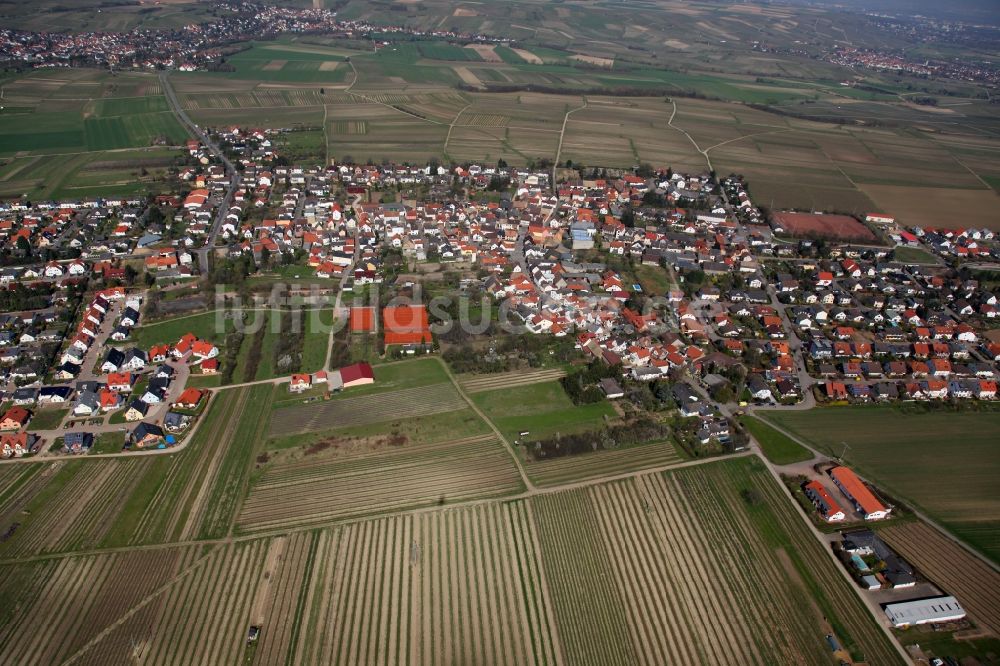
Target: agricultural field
952	568
952	460
137	171
281	63
543	409
507	380
406	105
620	572
87	504
600	464
633	571
777	447
350	411
338	478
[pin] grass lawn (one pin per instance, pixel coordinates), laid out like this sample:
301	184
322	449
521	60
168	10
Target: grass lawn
542	409
317	339
778	448
47	418
204	325
945	463
913	255
655	281
108	442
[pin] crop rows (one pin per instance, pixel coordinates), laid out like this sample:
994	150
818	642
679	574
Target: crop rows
674	568
303	494
458	586
481	383
349	127
281	596
165	515
835	595
601	463
366	410
974	583
260	98
485	120
73	505
78	598
203	618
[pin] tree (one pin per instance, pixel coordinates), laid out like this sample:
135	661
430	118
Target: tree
265	258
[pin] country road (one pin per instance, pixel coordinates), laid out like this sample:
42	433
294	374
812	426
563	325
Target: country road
234	176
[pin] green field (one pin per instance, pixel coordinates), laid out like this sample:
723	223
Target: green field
204	326
944	463
779	449
542	409
48	418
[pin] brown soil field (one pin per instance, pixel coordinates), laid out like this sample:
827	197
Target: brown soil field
594	60
937	207
468	77
274	65
840	227
328	65
462	11
485	52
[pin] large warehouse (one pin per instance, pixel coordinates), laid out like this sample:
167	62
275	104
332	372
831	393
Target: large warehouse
931	610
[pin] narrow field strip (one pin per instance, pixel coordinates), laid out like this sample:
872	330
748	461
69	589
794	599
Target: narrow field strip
601	463
365	410
393	481
480	383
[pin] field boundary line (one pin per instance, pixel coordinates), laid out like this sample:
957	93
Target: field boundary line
562	135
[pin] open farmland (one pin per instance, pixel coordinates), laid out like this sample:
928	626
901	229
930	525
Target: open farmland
581	466
622	572
453	586
952	461
634	566
78	599
948	565
320	488
542	409
480	383
835	227
936	207
363	410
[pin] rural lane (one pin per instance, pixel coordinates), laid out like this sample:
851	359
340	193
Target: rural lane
234	175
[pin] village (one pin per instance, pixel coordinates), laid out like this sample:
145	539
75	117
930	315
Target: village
670	278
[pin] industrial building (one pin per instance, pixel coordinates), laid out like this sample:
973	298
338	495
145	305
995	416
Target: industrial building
931	610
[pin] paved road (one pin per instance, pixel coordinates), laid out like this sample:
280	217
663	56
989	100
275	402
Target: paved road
234	176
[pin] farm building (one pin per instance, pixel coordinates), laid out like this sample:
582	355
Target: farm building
856	491
824	503
406	325
611	388
896	571
931	610
362	319
358	374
